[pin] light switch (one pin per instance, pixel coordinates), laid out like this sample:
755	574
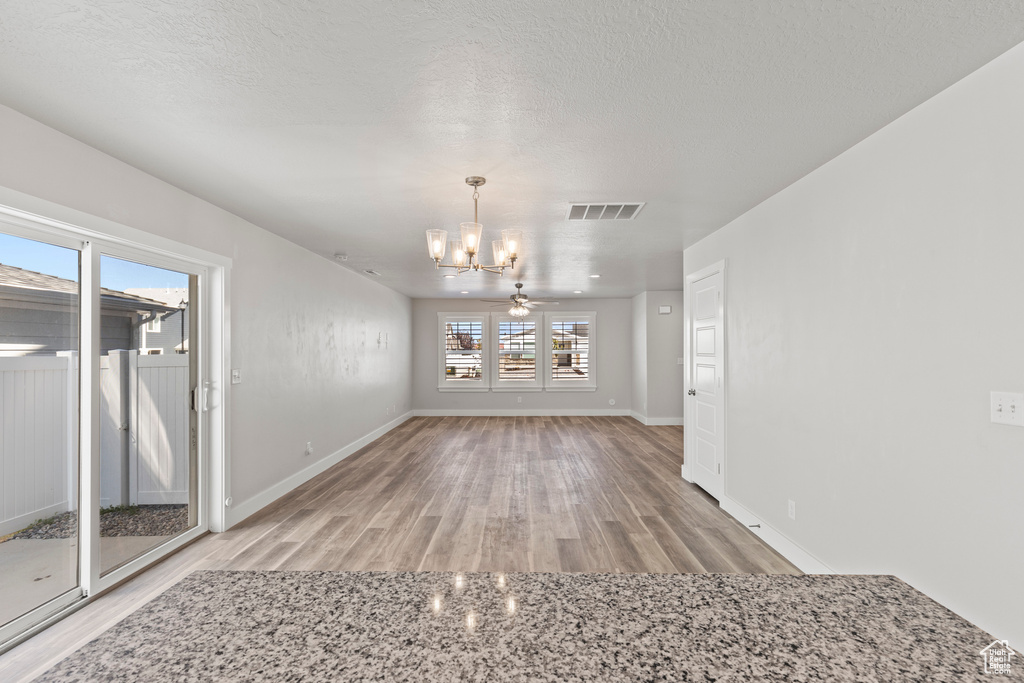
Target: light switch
236	376
664	310
1008	408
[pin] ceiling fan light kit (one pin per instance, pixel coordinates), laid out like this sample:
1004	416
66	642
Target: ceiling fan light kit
521	303
464	252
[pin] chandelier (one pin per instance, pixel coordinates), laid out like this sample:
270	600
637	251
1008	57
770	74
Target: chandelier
465	251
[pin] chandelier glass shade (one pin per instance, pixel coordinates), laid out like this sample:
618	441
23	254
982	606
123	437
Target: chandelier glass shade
466	252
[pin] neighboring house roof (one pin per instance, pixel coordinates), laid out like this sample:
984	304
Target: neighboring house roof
28	285
172	296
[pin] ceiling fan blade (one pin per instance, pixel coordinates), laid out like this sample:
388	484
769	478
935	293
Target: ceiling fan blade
496	301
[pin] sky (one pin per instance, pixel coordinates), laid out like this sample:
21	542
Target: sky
114	273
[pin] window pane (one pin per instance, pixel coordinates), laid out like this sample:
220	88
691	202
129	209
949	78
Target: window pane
463	351
517	349
146	461
39	370
570	344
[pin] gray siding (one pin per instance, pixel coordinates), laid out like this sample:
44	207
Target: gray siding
169	336
23	329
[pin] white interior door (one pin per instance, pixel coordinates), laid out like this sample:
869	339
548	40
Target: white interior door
706	440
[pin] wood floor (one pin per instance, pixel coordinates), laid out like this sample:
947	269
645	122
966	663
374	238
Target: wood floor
545	494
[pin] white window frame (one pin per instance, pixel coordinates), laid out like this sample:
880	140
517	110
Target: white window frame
443	383
535	384
590	384
153	326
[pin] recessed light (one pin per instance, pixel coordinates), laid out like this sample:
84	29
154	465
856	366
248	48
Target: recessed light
578	291
595	276
449	276
465	292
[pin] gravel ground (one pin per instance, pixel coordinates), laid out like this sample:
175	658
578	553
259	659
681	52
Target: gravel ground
144	520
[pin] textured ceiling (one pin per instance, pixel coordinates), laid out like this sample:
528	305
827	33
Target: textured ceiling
350	126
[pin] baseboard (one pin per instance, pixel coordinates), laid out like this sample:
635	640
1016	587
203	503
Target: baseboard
237	513
804	561
526	412
656	421
664	422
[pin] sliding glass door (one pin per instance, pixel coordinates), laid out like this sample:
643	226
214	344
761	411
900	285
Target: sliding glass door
147	468
102	428
39	322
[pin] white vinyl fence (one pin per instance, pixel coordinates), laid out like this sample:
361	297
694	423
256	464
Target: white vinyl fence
158	452
144	426
36	438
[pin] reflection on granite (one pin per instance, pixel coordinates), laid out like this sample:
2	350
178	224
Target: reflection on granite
355	626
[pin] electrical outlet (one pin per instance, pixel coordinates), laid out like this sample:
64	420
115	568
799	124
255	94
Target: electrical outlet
519	399
792	510
1007	408
309	448
236	376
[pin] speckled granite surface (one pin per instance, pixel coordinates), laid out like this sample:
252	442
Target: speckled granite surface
376	626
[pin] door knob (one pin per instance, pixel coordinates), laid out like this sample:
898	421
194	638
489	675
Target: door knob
692	392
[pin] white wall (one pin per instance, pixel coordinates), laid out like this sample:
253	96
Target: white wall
612	348
664	348
639	394
872	307
303	329
657	347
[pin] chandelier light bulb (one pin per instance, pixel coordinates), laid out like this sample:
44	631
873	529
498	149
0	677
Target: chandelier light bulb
471	236
512	239
500	256
436	241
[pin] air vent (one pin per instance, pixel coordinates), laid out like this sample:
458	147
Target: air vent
604	212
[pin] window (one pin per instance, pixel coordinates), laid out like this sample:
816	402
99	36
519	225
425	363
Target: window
571	359
496	352
153	325
516	355
462	341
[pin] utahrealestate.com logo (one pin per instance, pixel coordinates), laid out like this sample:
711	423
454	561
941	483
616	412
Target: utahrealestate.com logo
997	657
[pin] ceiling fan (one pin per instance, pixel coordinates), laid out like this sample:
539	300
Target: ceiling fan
521	303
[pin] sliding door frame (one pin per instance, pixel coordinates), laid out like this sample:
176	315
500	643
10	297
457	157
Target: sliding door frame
94	237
